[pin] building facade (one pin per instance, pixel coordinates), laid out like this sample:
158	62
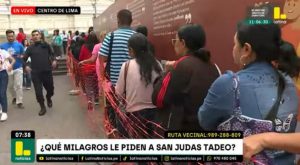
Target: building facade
89	10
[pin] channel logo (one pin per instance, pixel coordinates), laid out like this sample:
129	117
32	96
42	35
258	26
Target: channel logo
20	149
278	15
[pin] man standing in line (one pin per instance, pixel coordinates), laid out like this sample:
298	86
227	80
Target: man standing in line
6	65
114	50
16	50
119	51
42	62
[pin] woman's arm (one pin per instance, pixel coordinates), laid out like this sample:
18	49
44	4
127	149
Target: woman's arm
254	144
12	62
218	104
91	60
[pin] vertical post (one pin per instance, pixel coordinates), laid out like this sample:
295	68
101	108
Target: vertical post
73	17
94	4
8	4
95	8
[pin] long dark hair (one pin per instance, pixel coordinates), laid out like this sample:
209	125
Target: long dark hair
289	62
90	29
145	59
268	46
195	39
91	41
23	43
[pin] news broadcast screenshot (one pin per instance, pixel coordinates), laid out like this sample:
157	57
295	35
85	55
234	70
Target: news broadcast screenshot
150	82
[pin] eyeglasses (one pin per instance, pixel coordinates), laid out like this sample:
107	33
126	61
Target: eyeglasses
174	41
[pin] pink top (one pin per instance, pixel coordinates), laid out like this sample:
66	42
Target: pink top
95	53
138	96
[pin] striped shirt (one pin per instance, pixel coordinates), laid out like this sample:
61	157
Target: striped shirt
119	53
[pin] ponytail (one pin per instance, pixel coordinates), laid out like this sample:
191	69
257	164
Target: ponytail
203	54
288	61
194	39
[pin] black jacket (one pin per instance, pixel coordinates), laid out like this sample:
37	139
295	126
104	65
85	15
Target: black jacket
185	89
41	56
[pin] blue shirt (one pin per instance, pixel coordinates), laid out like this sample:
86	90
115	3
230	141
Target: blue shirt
15	49
119	53
258	85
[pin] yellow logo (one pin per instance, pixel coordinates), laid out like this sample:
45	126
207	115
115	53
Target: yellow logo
41	158
278	14
19	149
166	158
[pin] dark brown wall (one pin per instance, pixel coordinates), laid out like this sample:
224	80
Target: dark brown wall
218	17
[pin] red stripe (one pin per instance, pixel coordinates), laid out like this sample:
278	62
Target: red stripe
181	59
22	10
163	90
165	84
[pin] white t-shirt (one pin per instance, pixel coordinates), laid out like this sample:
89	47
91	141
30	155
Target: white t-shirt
75	37
64	37
3	59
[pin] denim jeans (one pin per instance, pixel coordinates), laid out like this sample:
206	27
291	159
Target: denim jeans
3	89
27	80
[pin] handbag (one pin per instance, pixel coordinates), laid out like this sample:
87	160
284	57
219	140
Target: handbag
122	108
122	105
250	126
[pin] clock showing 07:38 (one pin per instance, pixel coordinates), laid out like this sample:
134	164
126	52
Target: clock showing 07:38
22	134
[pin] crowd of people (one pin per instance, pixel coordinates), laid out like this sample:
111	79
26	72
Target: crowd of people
23	61
145	98
31	59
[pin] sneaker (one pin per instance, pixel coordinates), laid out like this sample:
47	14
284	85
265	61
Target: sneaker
14	101
28	88
3	117
96	101
90	106
74	92
49	102
43	111
20	106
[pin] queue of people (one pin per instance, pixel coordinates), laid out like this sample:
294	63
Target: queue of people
188	94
